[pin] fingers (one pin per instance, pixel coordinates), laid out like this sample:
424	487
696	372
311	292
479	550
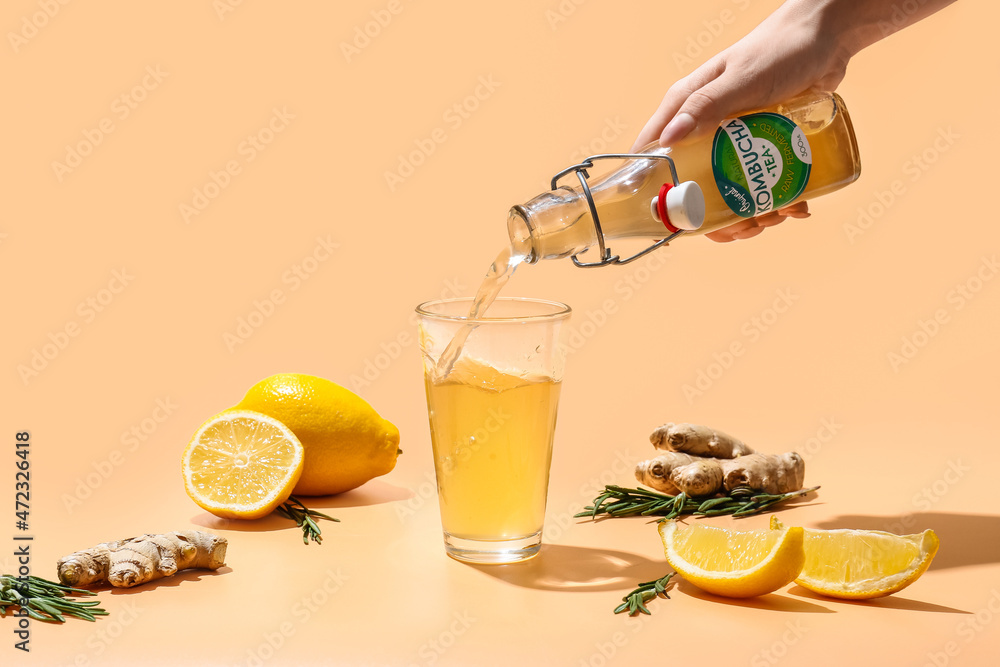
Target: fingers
799	209
737	230
750	227
679	127
748	233
651	130
705	108
769	219
833	75
675	97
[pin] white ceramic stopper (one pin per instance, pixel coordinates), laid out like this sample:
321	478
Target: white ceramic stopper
686	206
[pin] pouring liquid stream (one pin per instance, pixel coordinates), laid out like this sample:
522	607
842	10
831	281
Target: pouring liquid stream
496	277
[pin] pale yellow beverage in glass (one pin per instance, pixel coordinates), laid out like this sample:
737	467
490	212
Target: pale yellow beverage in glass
492	438
492	420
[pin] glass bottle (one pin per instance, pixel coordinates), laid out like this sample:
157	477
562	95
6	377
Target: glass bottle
755	163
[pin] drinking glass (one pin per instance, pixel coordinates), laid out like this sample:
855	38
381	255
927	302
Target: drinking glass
492	411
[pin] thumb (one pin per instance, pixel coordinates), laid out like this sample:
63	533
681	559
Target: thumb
705	108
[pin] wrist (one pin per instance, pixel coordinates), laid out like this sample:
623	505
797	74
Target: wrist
845	26
854	24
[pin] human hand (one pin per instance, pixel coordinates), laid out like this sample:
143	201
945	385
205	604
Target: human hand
751	227
792	50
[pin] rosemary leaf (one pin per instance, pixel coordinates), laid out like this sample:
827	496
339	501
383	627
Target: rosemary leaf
714	502
635	602
45	600
617	501
295	510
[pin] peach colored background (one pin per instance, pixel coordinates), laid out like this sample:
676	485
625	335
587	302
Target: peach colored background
902	448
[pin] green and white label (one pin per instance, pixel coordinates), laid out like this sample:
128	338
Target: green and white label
761	162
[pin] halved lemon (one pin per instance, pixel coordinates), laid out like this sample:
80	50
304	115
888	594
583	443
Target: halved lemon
242	464
862	564
734	563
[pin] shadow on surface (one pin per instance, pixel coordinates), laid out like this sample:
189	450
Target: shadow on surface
566	568
769	602
375	492
966	539
175	580
889	602
270	522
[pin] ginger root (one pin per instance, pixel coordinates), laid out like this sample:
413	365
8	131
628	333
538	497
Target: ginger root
698	441
137	560
702	476
674	472
770	473
700	461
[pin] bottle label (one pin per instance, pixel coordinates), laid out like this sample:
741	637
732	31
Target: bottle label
761	162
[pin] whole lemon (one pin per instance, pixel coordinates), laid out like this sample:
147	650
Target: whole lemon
345	440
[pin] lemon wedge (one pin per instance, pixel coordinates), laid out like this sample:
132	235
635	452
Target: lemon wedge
862	564
734	563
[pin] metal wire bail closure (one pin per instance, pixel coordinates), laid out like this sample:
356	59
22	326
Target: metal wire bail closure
606	257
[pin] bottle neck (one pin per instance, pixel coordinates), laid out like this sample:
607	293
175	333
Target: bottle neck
558	223
553	225
519	231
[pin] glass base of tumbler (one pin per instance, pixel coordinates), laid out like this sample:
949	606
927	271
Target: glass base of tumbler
492	552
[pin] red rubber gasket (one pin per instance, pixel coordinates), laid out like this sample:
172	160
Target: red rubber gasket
661	207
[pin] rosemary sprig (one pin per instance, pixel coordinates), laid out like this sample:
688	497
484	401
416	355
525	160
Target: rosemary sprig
618	501
635	602
46	600
303	516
